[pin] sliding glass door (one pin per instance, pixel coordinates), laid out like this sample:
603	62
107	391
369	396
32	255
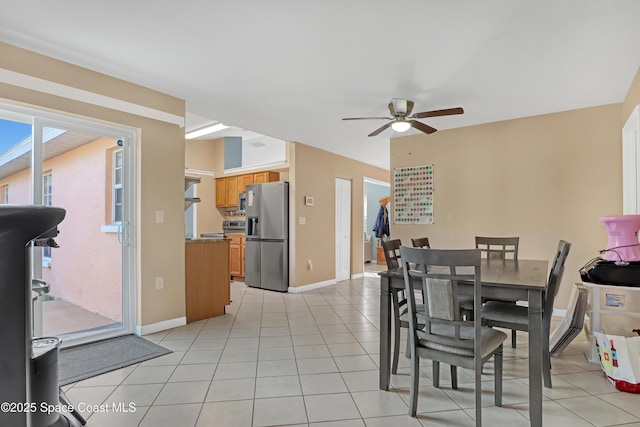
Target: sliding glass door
85	168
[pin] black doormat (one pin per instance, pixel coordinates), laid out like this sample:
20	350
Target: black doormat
88	360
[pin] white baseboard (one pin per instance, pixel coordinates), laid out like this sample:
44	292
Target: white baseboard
357	276
160	326
304	288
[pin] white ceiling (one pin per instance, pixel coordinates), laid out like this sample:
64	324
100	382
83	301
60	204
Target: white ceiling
292	69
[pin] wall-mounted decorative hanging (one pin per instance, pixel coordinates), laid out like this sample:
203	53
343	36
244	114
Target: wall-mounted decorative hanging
413	195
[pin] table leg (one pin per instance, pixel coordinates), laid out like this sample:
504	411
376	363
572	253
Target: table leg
385	333
535	357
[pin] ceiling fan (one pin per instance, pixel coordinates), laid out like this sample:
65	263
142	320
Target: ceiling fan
402	119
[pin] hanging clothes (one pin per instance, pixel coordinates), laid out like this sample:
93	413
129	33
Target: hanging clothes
381	226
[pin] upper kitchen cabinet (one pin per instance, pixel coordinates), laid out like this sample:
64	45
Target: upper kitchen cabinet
243	181
229	188
232	190
267	176
227	191
221	192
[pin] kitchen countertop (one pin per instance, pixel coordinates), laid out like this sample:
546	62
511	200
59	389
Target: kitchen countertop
209	240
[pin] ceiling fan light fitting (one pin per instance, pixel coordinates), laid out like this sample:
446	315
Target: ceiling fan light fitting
400	126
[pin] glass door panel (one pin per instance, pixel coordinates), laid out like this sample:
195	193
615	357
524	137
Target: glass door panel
82	173
15	159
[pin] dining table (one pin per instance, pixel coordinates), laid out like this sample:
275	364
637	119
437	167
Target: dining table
509	279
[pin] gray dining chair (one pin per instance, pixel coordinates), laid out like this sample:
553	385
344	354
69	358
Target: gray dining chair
391	249
498	248
420	242
516	317
446	337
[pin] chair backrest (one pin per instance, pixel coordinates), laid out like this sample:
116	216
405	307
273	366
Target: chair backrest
498	247
391	250
555	277
439	271
420	242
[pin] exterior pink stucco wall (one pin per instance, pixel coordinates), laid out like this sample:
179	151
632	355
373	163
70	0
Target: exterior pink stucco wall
87	268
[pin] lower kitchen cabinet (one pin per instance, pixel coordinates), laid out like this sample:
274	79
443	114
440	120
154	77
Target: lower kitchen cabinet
207	286
236	254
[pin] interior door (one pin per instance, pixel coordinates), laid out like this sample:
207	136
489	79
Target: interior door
343	229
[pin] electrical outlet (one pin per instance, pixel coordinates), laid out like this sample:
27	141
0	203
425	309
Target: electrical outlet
302	220
159	282
159	217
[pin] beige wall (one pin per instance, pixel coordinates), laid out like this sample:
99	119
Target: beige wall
632	99
206	155
160	170
542	178
313	173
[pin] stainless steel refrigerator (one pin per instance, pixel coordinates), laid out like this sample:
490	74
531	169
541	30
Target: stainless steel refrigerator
266	259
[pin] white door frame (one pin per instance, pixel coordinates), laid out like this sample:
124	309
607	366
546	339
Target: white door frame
343	229
42	119
631	163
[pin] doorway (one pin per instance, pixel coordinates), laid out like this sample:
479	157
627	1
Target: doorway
374	192
86	168
343	229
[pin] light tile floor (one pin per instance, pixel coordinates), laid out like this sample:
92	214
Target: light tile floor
311	359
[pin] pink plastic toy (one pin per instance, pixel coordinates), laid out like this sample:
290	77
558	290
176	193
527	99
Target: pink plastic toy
623	237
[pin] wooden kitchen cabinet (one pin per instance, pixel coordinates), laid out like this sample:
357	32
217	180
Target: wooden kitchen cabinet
227	192
267	176
229	188
221	192
207	286
243	181
236	254
232	190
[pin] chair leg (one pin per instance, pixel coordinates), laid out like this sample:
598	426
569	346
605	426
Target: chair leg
546	366
513	338
407	352
436	374
454	377
478	398
396	330
415	381
497	367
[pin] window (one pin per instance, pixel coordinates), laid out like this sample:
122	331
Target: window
47	185
118	192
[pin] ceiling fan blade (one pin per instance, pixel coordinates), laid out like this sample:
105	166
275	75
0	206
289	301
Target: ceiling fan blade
380	129
367	118
422	127
436	113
